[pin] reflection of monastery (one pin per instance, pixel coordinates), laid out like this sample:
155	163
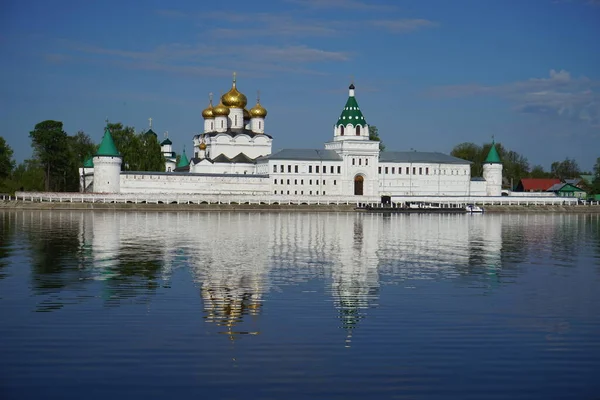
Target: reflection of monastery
233	157
352	254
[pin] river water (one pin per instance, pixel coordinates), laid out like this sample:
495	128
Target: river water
229	305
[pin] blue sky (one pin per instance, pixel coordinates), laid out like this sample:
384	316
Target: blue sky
428	73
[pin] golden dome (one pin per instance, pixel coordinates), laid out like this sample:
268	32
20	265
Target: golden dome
233	98
202	146
207	113
220	110
246	115
258	111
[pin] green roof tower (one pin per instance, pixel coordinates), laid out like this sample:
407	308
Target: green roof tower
351	124
493	157
183	160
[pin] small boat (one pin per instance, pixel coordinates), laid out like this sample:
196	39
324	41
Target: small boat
473	209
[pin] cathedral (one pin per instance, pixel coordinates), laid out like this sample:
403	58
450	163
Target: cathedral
232	156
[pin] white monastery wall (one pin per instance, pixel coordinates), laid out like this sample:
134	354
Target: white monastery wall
132	182
416	179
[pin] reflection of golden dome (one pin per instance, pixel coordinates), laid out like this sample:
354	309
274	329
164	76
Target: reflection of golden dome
207	113
258	111
202	145
233	98
220	110
246	115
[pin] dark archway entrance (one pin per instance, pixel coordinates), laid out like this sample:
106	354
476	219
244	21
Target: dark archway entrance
358	185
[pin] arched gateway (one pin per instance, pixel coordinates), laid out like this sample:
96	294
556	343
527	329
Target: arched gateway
358	185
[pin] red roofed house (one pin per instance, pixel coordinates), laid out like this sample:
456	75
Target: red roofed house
536	184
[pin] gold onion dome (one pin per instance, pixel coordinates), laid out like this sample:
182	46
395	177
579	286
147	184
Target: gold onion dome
220	110
258	111
234	98
202	146
207	113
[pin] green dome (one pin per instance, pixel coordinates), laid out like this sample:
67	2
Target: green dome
88	163
107	146
183	160
351	113
493	157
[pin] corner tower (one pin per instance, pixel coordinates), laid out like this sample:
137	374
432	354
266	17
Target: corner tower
107	165
351	124
492	172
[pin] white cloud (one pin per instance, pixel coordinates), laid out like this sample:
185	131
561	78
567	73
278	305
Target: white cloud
559	95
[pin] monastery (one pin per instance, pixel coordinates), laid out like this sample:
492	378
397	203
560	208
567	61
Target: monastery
232	156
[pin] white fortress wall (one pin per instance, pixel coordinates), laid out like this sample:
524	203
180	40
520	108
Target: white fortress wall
418	179
144	183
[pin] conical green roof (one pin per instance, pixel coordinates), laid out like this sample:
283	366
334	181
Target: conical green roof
351	113
183	160
493	157
88	163
107	146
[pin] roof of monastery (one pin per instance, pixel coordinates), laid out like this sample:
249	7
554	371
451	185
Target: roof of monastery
351	113
107	146
241	158
420	157
234	132
166	141
305	155
493	157
88	163
183	160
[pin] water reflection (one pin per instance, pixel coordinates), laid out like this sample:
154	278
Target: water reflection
7	230
237	259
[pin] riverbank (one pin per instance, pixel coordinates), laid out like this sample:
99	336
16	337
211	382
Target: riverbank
28	205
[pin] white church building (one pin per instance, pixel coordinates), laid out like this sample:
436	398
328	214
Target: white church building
232	157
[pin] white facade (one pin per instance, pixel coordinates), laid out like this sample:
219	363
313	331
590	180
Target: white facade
492	173
106	174
234	155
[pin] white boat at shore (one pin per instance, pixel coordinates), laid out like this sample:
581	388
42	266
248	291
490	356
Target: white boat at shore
474	209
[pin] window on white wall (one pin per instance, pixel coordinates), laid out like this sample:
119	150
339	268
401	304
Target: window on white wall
339	170
274	168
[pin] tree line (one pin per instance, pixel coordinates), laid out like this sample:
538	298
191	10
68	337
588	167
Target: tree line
515	166
57	156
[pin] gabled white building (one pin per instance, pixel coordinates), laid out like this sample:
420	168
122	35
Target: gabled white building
233	156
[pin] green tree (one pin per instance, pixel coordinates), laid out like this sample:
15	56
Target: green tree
50	145
470	152
81	147
27	176
374	135
152	157
141	152
6	161
565	169
515	166
538	172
